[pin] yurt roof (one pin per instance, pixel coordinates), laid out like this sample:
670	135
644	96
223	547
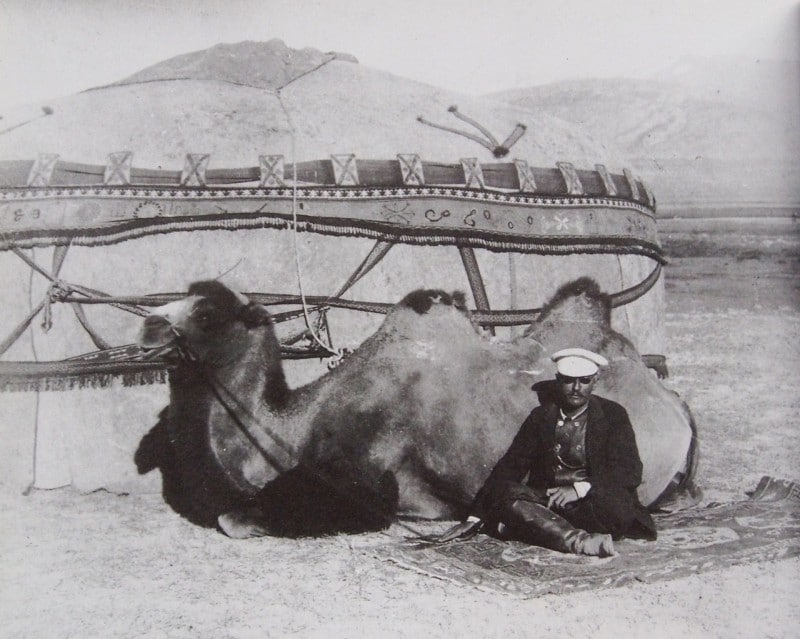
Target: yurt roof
239	101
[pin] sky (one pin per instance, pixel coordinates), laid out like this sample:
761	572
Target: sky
51	48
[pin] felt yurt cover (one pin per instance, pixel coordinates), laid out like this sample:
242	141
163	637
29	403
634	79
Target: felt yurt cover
325	189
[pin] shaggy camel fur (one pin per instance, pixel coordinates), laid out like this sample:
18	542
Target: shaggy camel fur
409	424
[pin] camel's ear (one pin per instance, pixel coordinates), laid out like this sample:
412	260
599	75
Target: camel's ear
255	315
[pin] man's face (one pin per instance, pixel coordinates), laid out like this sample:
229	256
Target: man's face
575	391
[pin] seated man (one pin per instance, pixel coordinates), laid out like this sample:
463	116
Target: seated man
579	455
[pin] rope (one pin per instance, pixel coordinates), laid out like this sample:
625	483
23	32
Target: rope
311	331
484	317
512	284
20	329
37	401
96	337
67	287
217	387
376	254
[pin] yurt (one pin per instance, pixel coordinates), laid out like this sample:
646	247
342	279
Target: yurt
326	189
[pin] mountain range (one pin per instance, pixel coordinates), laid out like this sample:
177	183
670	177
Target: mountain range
705	132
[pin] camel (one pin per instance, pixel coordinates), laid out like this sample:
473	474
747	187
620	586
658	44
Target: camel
408	425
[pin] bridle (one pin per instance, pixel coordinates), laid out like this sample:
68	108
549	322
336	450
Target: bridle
234	407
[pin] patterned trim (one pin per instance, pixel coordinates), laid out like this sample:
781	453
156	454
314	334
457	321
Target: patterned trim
473	173
194	169
345	169
565	245
12	194
501	176
527	183
411	169
651	199
573	182
419	215
271	168
118	169
42	170
20	195
608	181
632	183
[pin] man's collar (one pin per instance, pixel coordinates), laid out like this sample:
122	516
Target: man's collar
563	415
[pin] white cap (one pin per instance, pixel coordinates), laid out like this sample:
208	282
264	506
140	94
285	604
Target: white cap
578	362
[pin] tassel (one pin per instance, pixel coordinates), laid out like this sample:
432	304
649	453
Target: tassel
55	382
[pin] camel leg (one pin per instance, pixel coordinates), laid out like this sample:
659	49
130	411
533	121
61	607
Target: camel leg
305	503
536	524
243	524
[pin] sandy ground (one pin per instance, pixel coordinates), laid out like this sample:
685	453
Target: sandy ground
102	565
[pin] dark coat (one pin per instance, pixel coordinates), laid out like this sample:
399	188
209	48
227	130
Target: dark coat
615	469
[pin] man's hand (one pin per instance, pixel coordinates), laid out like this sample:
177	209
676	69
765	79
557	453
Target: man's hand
560	496
463	530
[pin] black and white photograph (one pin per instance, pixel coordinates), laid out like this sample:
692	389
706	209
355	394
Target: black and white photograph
423	319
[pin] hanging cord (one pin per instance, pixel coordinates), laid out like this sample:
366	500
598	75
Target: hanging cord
313	332
35	453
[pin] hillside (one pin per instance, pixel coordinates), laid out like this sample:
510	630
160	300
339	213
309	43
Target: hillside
732	138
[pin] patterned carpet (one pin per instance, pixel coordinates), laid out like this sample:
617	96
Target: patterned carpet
762	528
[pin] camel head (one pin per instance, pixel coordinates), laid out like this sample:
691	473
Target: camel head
226	374
211	326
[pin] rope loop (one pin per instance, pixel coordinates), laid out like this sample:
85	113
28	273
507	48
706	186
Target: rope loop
341	355
313	331
57	292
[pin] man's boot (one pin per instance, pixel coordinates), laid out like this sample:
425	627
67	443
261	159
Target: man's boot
538	525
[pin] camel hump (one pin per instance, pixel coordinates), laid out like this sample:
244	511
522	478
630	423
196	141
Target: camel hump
218	293
422	300
579	300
